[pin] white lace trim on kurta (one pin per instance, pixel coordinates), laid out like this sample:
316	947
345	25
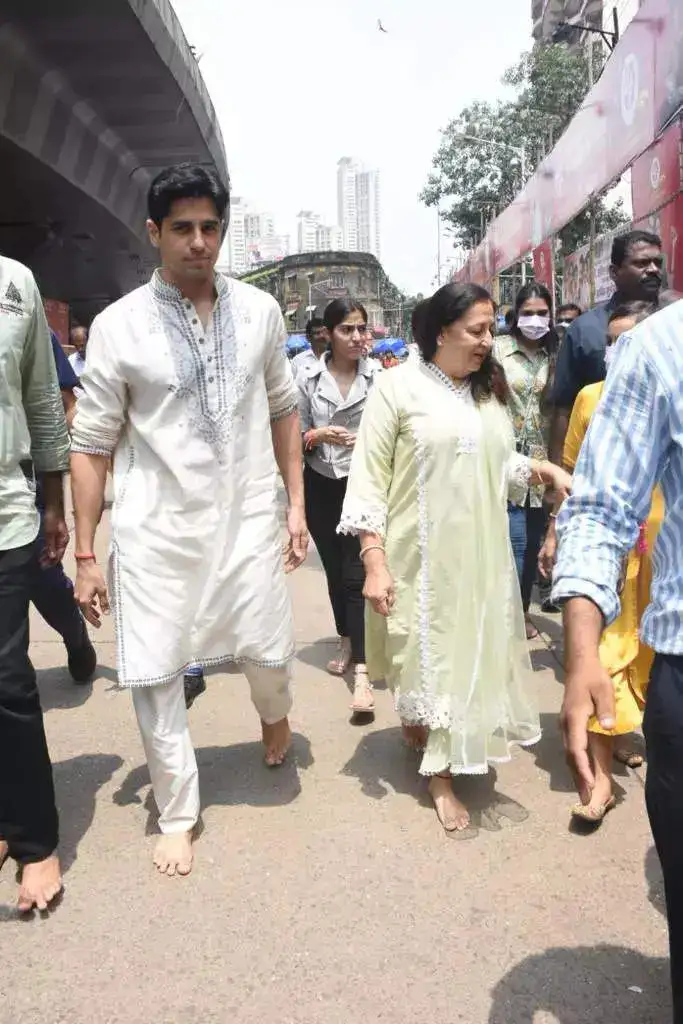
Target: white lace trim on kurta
357	518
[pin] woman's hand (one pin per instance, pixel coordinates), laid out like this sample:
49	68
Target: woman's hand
339	436
559	480
548	552
379	589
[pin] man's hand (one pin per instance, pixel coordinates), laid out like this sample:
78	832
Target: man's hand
56	537
90	591
588	691
548	553
296	548
339	436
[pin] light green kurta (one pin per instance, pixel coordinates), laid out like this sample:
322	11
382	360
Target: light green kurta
431	473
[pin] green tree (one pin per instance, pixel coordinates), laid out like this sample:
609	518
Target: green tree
472	182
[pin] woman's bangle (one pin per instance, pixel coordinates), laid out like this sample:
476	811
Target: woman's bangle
85	557
371	547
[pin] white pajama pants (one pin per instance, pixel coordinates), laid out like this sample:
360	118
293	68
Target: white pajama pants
162	719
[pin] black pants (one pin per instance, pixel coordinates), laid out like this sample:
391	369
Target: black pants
663	727
28	815
340	556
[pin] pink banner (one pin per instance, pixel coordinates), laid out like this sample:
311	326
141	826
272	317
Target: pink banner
656	175
636	93
544	266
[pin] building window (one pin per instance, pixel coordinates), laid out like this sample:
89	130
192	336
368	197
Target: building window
336	280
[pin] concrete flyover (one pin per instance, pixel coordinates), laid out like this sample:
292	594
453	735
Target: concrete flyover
95	97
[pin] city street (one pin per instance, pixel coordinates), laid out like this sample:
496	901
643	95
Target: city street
325	892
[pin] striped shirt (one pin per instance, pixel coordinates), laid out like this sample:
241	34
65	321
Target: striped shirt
635	440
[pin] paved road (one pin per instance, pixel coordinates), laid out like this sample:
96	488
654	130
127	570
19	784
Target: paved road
325	893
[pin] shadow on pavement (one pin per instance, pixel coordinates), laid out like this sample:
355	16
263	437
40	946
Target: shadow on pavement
230	776
655	881
582	985
549	755
77	782
382	763
58	691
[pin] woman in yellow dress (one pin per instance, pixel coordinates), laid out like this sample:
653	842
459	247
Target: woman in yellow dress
622	653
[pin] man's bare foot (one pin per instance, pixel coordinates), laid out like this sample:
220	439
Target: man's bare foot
40	884
173	854
277	739
453	815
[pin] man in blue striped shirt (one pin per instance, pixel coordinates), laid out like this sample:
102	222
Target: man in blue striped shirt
634	441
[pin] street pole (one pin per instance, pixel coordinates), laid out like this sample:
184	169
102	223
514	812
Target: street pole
591	205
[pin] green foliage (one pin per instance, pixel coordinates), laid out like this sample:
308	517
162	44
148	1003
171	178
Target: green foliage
472	182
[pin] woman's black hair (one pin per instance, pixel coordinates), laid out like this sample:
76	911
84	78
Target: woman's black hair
637	308
551	342
450	304
418	318
338	310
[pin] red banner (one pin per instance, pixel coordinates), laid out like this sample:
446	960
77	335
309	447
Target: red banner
636	94
544	266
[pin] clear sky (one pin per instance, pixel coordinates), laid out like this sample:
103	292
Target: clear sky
300	83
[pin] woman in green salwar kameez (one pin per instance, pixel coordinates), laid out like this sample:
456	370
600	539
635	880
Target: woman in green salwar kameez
432	469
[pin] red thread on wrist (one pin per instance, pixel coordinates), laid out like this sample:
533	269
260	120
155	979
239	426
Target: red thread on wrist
85	558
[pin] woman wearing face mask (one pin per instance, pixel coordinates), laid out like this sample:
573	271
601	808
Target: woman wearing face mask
627	660
528	358
332	396
434	463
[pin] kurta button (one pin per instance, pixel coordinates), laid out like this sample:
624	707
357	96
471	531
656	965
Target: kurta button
195	321
201	341
210	380
210	359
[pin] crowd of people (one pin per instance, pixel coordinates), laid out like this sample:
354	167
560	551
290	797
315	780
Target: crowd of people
435	493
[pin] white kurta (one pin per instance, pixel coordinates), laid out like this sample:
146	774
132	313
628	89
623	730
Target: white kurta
196	571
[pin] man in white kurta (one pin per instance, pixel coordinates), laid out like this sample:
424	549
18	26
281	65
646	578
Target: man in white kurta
196	568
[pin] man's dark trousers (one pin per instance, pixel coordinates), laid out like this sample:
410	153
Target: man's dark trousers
28	815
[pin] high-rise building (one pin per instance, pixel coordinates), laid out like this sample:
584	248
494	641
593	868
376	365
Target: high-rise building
233	258
314	236
358	207
347	210
251	240
367	204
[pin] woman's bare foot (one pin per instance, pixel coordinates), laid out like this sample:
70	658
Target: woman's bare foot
277	740
415	736
41	883
602	798
173	854
453	816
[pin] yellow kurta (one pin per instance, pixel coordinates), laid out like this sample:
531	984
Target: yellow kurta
627	659
431	473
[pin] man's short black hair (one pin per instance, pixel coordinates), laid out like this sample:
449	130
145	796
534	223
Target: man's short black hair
569	307
313	325
623	244
185	181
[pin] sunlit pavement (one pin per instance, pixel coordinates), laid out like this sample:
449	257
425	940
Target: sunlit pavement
325	892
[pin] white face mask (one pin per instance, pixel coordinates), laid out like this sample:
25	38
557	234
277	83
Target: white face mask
534	327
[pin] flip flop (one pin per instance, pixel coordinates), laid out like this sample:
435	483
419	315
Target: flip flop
630	758
593	816
362	682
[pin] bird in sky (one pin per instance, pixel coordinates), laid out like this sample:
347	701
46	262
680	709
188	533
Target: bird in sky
381	27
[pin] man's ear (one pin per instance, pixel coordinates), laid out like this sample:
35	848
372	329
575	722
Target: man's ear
613	273
154	233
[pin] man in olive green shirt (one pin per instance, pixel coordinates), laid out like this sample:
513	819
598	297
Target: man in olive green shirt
33	441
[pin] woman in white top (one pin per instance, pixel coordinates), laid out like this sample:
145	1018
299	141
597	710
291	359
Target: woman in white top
332	396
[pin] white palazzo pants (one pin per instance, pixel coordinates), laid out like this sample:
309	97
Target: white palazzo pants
162	719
